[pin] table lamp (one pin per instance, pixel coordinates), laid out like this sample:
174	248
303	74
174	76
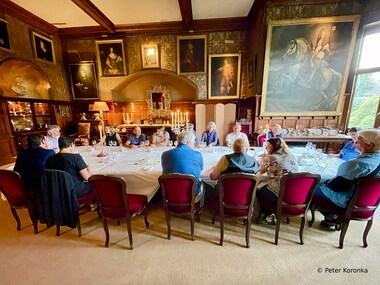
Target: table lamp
101	106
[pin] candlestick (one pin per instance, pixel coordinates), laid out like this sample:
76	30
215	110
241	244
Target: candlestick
187	121
178	118
100	133
172	121
266	137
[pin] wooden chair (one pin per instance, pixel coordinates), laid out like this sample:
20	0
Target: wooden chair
261	140
361	207
83	133
237	193
178	197
13	188
294	199
116	204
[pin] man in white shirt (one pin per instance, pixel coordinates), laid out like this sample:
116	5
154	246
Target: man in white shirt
52	136
236	134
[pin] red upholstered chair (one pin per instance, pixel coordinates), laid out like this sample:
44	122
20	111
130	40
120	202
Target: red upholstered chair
294	199
178	197
361	207
116	204
237	193
261	140
12	187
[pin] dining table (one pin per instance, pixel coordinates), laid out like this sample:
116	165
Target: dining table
141	167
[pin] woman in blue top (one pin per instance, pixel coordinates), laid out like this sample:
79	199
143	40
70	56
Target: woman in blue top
210	137
349	151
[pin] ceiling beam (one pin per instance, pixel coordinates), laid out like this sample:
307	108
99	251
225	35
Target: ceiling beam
186	13
90	9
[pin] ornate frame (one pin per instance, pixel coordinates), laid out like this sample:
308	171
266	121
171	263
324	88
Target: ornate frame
49	54
102	49
307	62
157	88
198	54
149	61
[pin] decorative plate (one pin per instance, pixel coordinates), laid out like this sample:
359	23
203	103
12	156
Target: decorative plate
284	131
318	132
333	132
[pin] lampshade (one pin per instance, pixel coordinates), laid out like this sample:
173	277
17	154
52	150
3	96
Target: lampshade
100	106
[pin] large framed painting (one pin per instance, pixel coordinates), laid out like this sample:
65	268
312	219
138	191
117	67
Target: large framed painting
149	56
4	36
224	76
191	54
43	47
307	62
84	83
111	58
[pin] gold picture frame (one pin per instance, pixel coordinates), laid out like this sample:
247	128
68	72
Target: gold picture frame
224	76
307	62
111	58
43	47
192	54
149	56
84	83
4	35
64	111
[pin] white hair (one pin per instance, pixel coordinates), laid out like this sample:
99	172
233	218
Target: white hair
371	136
185	137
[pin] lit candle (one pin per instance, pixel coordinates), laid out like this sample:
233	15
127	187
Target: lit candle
178	118
133	108
172	120
100	133
187	120
266	138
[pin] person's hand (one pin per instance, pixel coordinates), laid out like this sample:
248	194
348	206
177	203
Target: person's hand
134	146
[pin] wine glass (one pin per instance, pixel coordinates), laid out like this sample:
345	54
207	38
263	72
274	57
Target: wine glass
170	143
93	142
175	143
147	143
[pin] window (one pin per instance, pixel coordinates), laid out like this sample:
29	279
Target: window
366	95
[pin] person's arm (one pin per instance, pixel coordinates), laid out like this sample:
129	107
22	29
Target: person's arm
119	141
219	168
85	173
215	141
227	141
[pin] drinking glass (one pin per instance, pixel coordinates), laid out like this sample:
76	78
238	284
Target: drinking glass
93	142
170	143
175	143
146	143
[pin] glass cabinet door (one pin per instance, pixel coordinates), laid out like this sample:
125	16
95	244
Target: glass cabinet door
21	116
43	115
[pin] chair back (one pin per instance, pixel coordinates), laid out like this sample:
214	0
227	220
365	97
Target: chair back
237	193
178	192
365	200
12	187
84	130
296	191
261	140
112	196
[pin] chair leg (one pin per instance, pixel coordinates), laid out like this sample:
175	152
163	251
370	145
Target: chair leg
106	231
57	230
247	231
312	209
79	227
168	222
221	222
146	217
34	220
278	222
130	233
303	221
192	225
287	220
366	231
343	232
14	213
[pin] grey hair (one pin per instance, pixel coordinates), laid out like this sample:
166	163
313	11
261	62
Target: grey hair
240	146
185	137
371	136
53	127
212	125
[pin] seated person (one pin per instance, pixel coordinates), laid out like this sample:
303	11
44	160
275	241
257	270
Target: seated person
160	137
349	150
238	161
32	159
236	134
210	136
368	144
111	136
276	163
72	163
275	131
183	159
191	129
136	138
52	136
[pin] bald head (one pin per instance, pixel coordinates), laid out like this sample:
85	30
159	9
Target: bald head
240	146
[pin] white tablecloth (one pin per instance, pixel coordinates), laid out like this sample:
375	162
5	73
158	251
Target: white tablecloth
141	167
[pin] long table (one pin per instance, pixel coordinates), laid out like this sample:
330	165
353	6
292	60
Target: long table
141	167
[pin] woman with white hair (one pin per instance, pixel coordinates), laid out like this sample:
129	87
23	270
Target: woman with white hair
339	190
210	136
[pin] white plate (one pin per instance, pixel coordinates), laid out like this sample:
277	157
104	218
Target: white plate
318	132
284	131
333	132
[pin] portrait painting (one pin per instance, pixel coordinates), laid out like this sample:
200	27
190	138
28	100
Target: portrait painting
307	62
64	111
21	79
149	56
111	58
224	76
4	36
84	83
191	54
43	48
